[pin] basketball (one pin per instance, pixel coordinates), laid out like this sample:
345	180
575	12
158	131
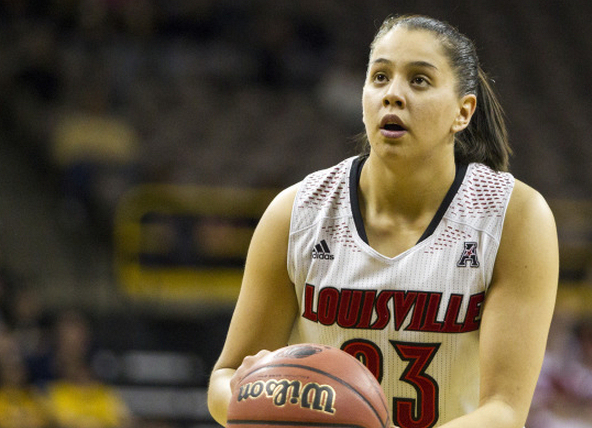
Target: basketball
308	385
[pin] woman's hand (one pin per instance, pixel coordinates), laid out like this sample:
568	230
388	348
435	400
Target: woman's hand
248	362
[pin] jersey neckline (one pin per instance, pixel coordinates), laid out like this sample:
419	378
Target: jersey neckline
354	183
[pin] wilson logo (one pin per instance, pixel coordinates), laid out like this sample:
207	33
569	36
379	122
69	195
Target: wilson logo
283	392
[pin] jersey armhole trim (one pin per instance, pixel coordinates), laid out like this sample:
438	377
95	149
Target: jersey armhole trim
354	182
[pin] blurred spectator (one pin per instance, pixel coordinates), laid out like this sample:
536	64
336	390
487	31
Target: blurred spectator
76	397
29	327
21	405
95	150
563	397
80	401
23	316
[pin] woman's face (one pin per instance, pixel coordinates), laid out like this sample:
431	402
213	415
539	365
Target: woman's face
410	104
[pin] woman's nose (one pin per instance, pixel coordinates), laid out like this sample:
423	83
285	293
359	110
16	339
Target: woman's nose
394	96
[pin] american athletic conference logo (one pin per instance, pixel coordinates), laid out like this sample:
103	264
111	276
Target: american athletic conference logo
321	251
469	255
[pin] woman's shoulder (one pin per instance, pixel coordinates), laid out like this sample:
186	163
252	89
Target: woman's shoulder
280	207
528	214
527	201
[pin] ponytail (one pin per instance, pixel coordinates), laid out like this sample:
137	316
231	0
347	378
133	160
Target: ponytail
485	140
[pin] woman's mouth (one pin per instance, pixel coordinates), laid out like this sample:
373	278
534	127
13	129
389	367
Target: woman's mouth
391	126
392	130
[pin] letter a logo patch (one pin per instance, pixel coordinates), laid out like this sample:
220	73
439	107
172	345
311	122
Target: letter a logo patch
469	255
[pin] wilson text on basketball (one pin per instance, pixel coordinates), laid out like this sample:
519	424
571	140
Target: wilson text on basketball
309	395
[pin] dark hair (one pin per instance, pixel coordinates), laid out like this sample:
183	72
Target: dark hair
485	139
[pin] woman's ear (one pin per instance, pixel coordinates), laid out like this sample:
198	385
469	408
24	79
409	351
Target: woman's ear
468	103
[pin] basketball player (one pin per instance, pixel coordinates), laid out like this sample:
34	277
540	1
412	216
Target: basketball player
424	258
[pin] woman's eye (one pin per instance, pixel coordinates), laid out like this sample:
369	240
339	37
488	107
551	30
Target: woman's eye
419	81
380	77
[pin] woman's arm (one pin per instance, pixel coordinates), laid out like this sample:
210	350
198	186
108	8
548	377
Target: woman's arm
517	313
267	305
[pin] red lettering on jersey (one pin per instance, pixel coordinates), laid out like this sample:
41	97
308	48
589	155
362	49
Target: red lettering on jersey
430	323
309	312
404	301
367	309
418	311
450	321
356	309
349	308
328	304
382	310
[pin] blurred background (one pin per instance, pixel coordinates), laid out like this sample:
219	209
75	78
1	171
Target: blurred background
140	141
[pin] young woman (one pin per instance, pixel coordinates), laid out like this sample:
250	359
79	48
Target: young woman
423	258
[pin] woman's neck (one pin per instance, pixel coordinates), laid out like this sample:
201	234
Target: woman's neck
404	189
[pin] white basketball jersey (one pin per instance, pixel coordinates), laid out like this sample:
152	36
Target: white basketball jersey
412	319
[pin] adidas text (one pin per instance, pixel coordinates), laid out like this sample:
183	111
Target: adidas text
322	256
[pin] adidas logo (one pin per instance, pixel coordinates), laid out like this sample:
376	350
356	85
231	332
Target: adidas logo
321	251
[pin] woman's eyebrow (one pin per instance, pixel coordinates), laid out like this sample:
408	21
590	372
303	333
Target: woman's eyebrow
381	61
423	64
